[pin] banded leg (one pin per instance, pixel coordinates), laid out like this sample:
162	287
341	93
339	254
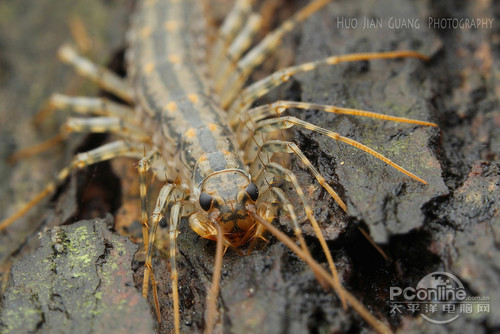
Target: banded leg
279	146
263	86
287	122
258	54
279	107
103	77
103	153
113	125
180	209
237	48
82	105
143	167
170	195
214	289
276	146
245	126
289	176
96	106
157	216
229	29
379	326
288	208
89	125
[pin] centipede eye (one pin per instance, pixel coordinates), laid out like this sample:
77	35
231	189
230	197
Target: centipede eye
206	201
252	191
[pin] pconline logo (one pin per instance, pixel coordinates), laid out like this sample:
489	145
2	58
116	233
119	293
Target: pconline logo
439	297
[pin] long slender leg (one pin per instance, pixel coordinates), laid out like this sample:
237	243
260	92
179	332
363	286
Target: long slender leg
287	122
289	176
247	124
355	304
82	105
91	125
174	276
279	107
229	29
264	164
258	54
214	289
278	146
97	106
263	86
116	125
143	167
237	48
179	210
107	125
262	182
275	146
37	148
105	152
103	77
288	207
157	216
169	194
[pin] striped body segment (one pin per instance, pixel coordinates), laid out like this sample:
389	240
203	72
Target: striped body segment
174	92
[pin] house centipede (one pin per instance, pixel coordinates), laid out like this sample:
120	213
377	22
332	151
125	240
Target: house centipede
209	146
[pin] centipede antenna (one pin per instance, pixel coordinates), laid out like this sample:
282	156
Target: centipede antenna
214	289
351	300
372	242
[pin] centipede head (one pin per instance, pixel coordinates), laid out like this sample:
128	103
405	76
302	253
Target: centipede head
227	198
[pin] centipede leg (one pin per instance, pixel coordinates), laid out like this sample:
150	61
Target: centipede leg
107	125
262	178
97	106
179	209
289	176
258	54
279	107
276	146
287	122
143	168
353	302
114	125
288	208
263	163
103	153
235	50
263	86
157	215
230	28
290	147
103	77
